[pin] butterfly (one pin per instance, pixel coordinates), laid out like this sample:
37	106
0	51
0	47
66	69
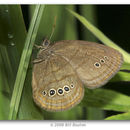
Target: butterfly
61	70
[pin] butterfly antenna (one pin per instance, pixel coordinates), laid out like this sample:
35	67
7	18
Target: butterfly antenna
53	28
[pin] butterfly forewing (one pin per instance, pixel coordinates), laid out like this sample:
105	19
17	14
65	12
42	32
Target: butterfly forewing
94	63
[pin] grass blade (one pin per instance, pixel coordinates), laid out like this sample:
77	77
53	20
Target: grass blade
12	37
106	100
100	35
123	116
24	61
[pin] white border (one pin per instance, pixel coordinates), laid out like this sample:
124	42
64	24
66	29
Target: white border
43	125
65	1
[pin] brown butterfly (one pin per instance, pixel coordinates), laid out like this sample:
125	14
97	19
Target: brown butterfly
61	70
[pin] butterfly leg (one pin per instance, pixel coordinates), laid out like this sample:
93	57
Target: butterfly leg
37	61
37	46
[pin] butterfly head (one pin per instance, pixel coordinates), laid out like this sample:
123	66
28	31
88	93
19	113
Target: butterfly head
45	44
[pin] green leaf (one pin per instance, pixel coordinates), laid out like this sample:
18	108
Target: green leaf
123	74
27	108
4	93
12	36
124	116
106	100
24	61
72	114
65	27
101	36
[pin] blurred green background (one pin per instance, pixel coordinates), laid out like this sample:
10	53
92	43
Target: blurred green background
112	20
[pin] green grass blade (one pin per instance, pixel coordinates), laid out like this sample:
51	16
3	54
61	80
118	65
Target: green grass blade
89	12
24	61
28	110
123	74
4	91
124	116
70	28
47	22
12	36
100	35
106	100
94	113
